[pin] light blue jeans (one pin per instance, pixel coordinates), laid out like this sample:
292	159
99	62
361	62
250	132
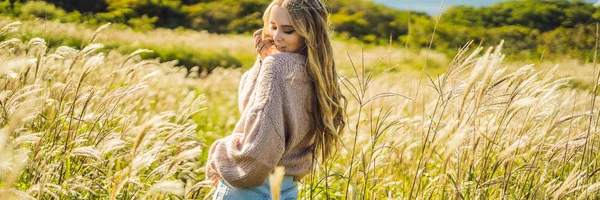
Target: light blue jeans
289	191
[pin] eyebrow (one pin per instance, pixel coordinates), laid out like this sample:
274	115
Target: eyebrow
284	26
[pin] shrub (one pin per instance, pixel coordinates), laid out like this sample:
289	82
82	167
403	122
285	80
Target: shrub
5	7
143	23
41	9
189	57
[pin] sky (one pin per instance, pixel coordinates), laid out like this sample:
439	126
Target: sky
433	6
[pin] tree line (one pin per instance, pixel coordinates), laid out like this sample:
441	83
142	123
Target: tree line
530	28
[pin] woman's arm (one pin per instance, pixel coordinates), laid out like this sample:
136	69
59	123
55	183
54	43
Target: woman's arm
243	94
246	159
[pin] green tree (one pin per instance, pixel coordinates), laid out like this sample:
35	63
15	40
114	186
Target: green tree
464	15
92	6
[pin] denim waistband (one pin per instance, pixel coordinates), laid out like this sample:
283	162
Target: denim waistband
289	190
287	181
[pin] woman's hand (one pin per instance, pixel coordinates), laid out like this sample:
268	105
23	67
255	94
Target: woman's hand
264	47
215	181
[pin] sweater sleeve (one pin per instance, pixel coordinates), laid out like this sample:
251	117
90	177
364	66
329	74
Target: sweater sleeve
243	87
241	103
246	159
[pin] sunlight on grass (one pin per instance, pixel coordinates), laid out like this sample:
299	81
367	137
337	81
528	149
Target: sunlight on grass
86	123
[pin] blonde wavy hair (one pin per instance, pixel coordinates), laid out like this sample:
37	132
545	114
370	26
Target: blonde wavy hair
309	19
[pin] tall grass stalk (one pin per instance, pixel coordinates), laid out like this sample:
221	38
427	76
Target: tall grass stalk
79	123
592	107
87	137
423	71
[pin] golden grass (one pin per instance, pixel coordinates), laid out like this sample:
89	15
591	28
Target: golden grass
240	46
82	124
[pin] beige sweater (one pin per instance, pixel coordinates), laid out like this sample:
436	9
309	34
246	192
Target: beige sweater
274	128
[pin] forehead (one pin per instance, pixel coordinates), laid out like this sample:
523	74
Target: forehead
279	16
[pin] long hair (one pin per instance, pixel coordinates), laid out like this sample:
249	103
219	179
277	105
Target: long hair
309	19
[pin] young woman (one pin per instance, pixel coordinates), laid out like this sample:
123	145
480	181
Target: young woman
291	104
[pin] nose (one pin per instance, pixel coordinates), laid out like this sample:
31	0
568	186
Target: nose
277	36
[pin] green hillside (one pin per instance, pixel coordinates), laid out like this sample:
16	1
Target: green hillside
531	28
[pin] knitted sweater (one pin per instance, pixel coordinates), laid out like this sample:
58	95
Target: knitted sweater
274	128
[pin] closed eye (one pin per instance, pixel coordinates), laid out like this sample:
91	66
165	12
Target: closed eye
286	31
287	28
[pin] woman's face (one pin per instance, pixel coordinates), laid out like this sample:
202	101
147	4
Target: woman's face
283	33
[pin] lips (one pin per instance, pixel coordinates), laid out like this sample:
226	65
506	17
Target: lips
280	48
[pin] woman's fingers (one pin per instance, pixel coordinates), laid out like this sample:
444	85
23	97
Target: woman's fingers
264	47
267	49
257	37
256	41
267	44
257	33
258	46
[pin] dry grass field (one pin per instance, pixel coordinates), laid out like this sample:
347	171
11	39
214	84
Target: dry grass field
83	123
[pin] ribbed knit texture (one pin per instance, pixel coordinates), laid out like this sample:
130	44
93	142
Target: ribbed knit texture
274	128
